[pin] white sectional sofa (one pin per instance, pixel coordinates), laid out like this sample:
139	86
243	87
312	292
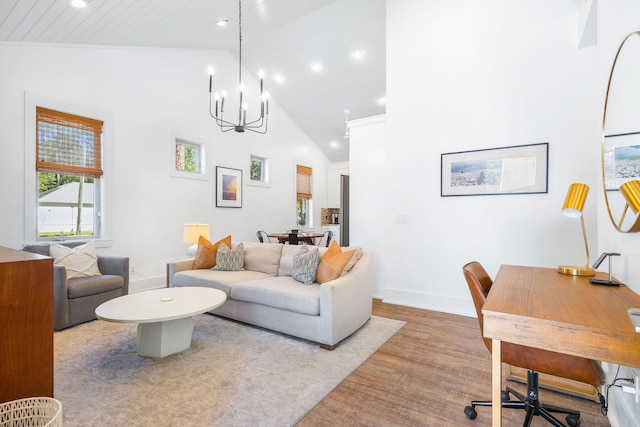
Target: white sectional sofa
265	294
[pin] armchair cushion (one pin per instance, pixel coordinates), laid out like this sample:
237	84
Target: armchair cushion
87	286
80	261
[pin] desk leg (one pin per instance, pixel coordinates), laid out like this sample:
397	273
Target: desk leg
496	383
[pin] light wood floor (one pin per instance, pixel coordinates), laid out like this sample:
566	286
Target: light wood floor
424	376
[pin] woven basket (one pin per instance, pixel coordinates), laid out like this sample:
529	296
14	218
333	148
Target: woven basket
31	412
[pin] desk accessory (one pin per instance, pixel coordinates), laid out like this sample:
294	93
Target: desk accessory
572	208
596	264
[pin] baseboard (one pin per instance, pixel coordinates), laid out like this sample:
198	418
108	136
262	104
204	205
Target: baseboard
445	304
146	283
562	385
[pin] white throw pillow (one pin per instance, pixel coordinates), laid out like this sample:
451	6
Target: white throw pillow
80	261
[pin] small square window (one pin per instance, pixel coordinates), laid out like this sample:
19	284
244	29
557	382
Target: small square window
188	158
258	171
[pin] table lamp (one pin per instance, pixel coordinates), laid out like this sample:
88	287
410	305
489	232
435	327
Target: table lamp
630	190
572	208
192	233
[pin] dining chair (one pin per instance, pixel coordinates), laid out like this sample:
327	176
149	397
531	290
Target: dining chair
263	237
534	359
325	240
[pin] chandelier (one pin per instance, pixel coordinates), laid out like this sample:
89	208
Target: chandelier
216	101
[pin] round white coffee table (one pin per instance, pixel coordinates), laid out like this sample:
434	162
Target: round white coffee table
165	325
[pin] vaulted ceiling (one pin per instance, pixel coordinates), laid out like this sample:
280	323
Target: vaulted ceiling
283	37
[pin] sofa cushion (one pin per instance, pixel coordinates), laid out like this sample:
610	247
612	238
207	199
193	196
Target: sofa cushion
305	265
94	285
207	252
222	280
280	292
80	261
333	263
264	257
230	258
286	259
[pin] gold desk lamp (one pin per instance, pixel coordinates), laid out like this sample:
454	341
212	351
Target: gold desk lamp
630	190
572	208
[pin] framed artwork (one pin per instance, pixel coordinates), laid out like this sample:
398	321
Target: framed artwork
228	187
518	169
621	159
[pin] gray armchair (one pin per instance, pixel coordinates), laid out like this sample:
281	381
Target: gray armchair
75	300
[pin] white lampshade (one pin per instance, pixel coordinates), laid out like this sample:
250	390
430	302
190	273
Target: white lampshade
192	232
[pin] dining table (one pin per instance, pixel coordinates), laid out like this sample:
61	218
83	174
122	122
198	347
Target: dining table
307	238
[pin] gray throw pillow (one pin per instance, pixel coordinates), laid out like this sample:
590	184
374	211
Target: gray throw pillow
305	265
230	259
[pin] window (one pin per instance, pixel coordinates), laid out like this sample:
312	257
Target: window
187	158
304	209
69	172
258	171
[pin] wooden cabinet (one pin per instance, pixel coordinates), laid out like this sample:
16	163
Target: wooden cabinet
26	325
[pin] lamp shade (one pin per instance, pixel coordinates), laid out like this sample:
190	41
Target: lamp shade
631	192
192	232
576	196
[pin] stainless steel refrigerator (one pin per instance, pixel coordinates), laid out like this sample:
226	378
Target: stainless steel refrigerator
344	210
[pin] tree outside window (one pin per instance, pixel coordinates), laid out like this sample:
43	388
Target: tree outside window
258	169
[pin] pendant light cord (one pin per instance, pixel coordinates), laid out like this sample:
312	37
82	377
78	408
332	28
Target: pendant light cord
240	37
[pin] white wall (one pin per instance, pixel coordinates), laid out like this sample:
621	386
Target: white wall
366	185
466	75
150	94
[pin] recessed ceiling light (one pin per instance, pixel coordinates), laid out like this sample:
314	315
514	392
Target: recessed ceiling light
357	54
79	3
316	67
222	22
334	144
279	78
382	100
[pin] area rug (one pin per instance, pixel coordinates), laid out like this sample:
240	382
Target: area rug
233	375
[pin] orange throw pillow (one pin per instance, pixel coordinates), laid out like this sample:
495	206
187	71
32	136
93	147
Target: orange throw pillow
207	251
332	263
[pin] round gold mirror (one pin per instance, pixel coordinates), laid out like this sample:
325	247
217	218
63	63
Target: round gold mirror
621	138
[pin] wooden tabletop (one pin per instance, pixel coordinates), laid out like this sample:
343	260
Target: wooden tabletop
300	235
539	307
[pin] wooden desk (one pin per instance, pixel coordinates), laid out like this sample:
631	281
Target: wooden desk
539	307
302	237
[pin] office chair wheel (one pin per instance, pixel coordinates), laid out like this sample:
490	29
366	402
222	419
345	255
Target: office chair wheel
573	420
470	412
504	395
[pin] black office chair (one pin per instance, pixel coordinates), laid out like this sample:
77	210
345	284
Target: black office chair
325	240
263	237
534	359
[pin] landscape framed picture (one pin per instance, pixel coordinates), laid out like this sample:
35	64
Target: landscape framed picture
620	159
507	170
228	187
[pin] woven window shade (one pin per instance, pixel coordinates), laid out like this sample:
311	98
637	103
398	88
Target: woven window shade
68	144
303	181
